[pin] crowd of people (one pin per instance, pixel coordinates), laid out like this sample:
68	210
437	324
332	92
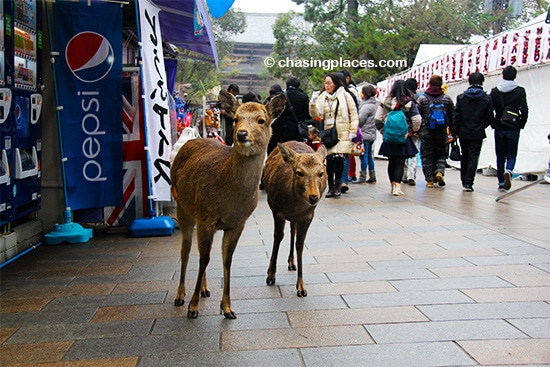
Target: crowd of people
428	122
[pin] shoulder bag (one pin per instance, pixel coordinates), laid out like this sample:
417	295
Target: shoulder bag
329	137
301	124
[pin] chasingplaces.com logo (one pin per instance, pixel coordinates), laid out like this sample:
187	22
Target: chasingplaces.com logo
340	63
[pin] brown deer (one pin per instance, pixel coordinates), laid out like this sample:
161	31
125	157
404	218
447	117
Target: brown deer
216	187
295	179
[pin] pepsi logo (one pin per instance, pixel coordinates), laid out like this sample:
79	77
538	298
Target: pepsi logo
89	56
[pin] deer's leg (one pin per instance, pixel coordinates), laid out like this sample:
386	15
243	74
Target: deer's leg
291	264
301	231
205	236
186	224
205	292
278	234
229	243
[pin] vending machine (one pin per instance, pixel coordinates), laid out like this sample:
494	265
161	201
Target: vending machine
21	109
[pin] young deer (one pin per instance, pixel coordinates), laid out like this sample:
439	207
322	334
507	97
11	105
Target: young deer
216	188
295	179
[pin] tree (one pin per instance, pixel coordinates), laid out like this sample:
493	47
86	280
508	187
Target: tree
202	75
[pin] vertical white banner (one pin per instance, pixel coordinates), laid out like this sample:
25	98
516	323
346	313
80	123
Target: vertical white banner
157	118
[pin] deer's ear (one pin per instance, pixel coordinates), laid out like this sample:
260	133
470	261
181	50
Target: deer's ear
276	106
322	152
287	153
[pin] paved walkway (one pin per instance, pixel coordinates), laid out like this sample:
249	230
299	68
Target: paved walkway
439	277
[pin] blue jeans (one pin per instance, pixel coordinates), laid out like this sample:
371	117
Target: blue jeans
506	149
367	160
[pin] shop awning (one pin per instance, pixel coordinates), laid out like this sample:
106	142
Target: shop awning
177	26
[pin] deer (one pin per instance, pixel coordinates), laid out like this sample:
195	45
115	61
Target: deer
216	187
295	178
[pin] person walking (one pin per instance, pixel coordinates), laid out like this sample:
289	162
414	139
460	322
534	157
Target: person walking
367	110
473	113
436	109
400	98
336	107
285	127
349	174
508	96
411	164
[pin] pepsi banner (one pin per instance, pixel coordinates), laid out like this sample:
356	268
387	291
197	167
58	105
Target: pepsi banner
89	72
156	109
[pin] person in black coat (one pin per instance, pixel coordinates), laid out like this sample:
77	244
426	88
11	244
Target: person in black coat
285	127
473	113
508	94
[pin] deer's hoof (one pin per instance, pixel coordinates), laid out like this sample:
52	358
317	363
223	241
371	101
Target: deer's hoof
178	302
192	314
205	293
270	280
230	315
291	267
301	293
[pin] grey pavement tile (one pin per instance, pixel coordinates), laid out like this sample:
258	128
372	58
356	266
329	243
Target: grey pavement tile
526	249
510	259
486	311
136	277
287	278
58	332
353	316
340	288
515	294
406	298
506	352
443	331
288	304
59	316
65	303
450	283
253	358
535	328
384	355
362	276
245	321
487	270
419	264
201	342
294	338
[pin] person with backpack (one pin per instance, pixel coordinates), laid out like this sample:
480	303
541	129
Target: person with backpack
511	111
436	109
397	118
411	164
472	115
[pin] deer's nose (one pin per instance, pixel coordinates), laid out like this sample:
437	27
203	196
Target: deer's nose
313	199
242	136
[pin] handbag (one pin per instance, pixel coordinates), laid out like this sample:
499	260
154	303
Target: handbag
329	137
455	154
303	129
358	149
510	116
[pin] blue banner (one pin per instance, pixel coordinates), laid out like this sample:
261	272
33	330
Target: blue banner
89	74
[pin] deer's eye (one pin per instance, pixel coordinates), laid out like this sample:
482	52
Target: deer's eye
261	121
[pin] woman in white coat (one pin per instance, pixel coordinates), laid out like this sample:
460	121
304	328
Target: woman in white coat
335	106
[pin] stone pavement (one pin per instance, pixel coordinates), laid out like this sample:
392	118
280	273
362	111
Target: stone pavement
439	277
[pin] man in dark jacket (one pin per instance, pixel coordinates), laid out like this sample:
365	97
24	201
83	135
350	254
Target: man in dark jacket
472	115
285	127
508	94
434	148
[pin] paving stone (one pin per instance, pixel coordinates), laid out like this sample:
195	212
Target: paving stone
341	288
487	270
443	331
376	315
395	355
486	311
294	338
33	353
138	312
363	276
289	304
59	316
110	300
142	345
406	299
506	352
515	294
264	358
450	283
535	328
46	333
